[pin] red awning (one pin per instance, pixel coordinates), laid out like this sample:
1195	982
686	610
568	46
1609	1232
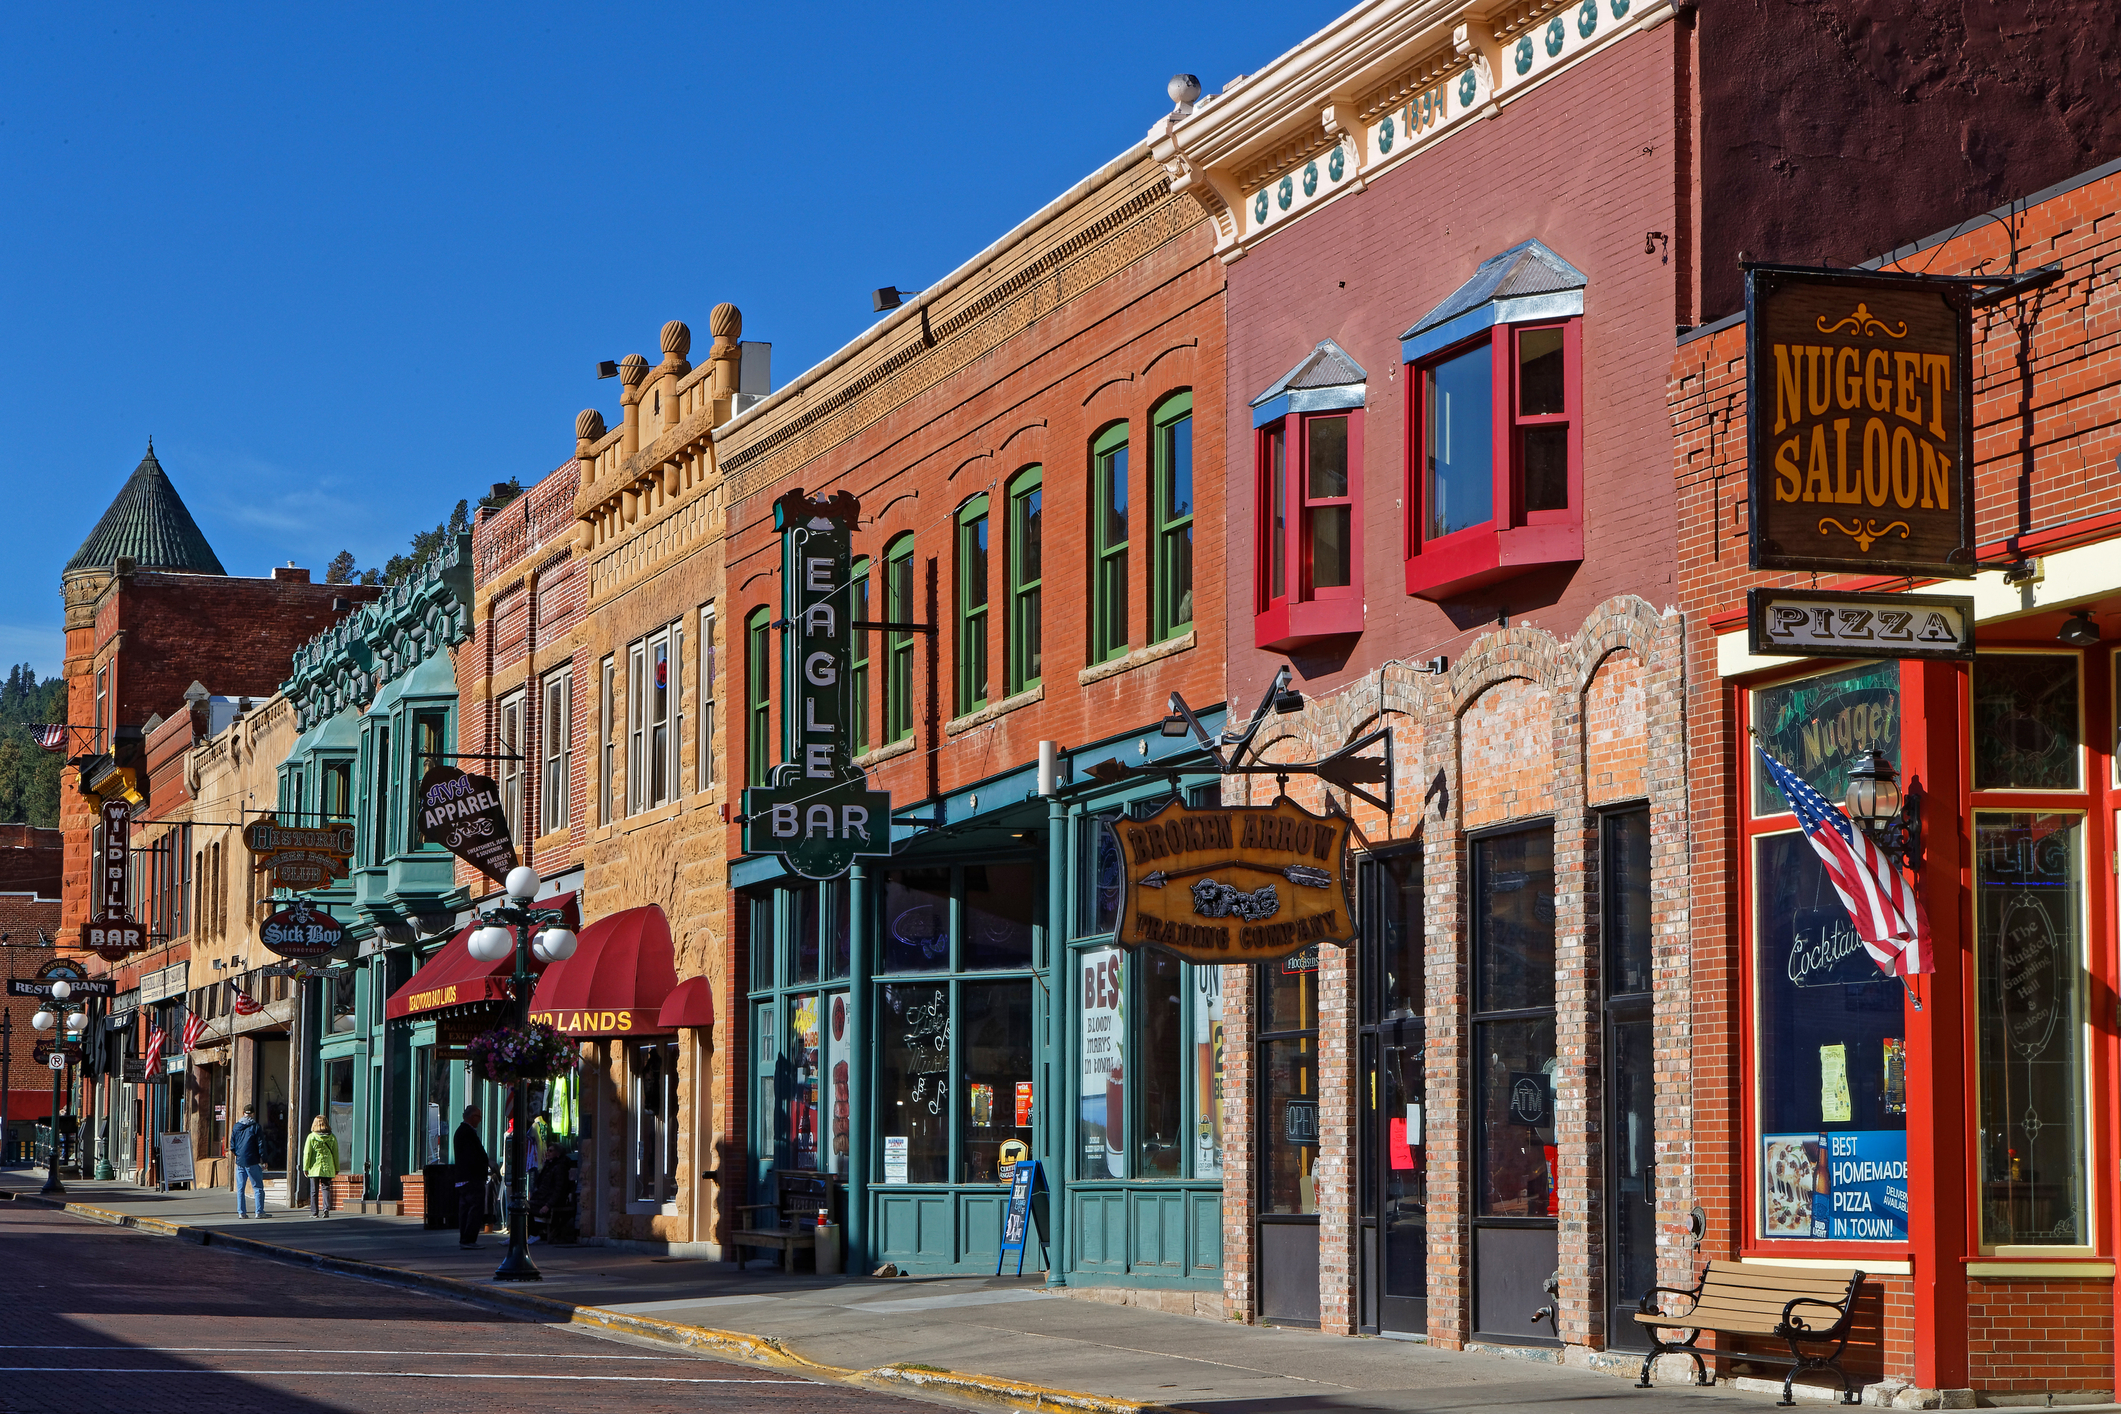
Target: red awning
692	1004
616	982
454	978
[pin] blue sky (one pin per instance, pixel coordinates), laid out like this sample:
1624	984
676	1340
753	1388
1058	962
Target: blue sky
348	265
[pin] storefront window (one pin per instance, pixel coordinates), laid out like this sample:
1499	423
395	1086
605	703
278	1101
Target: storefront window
1097	912
1830	1060
834	1097
653	1115
2029	909
996	1056
1817	725
1627	885
806	933
1513	944
428	1106
338	1106
1000	900
913	1094
2025	722
916	920
1160	1070
1288	1121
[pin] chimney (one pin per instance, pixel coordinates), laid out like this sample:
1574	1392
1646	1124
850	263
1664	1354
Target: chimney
288	574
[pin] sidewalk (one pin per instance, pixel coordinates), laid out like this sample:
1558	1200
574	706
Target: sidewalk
995	1339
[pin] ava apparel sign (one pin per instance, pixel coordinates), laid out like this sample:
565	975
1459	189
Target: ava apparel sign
112	933
819	813
1859	422
299	858
463	813
1220	883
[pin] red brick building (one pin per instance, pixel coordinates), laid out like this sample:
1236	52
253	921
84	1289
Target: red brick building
1998	1275
30	866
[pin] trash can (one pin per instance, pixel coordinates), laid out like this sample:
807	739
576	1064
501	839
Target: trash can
828	1249
438	1189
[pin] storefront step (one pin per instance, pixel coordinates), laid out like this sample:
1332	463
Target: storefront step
1208	1305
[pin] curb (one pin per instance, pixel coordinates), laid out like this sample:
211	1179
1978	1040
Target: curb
733	1345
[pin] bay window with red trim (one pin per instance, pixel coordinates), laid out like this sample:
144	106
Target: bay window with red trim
1494	458
1309	494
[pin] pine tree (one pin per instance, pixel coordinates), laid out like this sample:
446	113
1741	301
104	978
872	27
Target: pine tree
341	568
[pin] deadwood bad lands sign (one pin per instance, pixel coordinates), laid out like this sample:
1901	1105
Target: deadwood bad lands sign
1235	883
1859	422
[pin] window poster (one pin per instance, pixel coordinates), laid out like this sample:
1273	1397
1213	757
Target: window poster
803	1116
1101	1125
1849	1186
1208	1071
895	1158
834	1100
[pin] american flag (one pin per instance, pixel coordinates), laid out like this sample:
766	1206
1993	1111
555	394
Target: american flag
194	1028
155	1037
52	736
245	1004
1880	900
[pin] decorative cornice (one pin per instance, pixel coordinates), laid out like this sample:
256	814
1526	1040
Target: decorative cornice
426	614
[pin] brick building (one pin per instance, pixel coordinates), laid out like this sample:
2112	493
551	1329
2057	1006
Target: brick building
31	862
1046	418
1997	1267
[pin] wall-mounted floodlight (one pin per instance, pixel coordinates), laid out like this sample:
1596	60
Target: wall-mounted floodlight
607	368
889	297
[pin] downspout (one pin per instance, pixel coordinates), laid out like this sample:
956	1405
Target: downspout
1053	1115
860	945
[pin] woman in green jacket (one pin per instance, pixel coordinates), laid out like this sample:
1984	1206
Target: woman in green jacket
320	1160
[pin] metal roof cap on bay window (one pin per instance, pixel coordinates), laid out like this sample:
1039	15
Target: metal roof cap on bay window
1324	380
339	732
1526	282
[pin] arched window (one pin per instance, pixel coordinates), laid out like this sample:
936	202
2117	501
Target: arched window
758	699
1026	627
1108	544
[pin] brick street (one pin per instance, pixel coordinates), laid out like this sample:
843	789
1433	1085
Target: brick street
108	1318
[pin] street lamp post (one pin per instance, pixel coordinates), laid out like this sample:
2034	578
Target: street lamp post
510	924
48	1020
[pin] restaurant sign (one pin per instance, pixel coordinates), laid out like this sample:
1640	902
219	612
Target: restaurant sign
299	857
1859	418
463	813
300	931
112	933
1821	623
1220	883
818	813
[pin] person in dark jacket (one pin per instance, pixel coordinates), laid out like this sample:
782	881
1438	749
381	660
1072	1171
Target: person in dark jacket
473	1166
246	1147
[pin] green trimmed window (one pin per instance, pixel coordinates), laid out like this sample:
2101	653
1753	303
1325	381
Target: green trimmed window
1108	544
758	679
972	605
1026	575
1171	609
898	646
858	661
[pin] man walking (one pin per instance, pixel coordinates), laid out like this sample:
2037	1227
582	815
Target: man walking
246	1146
473	1166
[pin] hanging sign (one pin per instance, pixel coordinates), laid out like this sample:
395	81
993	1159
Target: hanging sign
301	931
111	932
299	858
56	1054
81	987
1222	883
1859	422
1821	623
463	813
819	813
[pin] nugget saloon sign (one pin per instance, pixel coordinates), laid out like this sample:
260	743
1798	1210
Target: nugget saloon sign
1220	884
463	814
1859	418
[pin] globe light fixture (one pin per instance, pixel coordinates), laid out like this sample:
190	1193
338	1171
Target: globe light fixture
558	944
1873	795
62	989
44	1020
77	1021
489	944
522	883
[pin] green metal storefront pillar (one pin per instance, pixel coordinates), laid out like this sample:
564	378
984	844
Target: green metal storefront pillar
861	948
1054	1113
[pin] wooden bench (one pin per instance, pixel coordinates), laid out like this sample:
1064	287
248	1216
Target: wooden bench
1804	1306
790	1221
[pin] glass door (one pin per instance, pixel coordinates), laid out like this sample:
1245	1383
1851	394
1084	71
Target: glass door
1286	1135
1395	1225
1630	1095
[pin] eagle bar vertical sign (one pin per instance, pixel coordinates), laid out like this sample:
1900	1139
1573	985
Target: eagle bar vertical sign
819	814
1859	422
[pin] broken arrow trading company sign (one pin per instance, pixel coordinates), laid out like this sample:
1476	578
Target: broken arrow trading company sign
819	814
463	814
300	931
1222	883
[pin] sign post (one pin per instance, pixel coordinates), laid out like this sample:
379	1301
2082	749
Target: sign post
1230	883
1859	422
819	813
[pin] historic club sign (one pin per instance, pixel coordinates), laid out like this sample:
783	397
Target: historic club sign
1859	423
1222	883
819	814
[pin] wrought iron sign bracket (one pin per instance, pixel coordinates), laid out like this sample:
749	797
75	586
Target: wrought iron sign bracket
1344	768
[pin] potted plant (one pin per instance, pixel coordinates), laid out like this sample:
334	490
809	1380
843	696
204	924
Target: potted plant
533	1053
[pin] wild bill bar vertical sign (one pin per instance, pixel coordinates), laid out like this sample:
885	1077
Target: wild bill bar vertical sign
1859	408
112	932
819	813
463	813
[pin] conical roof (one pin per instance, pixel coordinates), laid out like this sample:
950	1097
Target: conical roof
148	522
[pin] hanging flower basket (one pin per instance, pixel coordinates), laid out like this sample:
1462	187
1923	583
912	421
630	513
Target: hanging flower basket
507	1054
